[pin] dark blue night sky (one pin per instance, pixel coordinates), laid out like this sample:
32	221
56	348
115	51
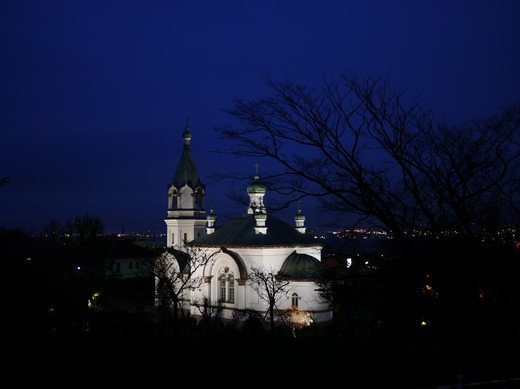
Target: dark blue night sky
94	94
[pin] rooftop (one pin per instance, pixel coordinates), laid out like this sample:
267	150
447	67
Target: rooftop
241	232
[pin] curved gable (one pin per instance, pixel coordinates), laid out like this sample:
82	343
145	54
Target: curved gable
234	256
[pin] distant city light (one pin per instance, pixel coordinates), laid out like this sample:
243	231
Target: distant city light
349	262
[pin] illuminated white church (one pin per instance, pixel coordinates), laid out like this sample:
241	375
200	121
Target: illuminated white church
255	239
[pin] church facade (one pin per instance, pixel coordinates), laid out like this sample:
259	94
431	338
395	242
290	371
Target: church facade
255	242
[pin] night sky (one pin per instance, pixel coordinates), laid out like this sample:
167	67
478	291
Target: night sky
94	94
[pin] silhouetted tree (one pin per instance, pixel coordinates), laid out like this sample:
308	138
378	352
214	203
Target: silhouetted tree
368	150
73	265
207	310
84	228
365	149
52	232
174	273
269	288
20	293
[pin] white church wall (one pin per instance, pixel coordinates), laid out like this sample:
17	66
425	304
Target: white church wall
246	297
308	300
179	229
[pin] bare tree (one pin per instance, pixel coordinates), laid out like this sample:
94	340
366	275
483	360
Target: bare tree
175	274
52	231
365	149
269	288
82	229
206	310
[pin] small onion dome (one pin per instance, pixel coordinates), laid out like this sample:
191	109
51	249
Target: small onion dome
256	186
211	216
187	135
299	215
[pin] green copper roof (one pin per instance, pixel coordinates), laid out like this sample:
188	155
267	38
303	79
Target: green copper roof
211	216
256	186
301	267
186	173
299	215
241	232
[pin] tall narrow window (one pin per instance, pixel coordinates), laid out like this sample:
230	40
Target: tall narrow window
294	300
173	239
231	288
222	286
185	237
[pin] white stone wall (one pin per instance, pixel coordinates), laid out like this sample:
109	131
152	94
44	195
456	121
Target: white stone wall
176	228
245	297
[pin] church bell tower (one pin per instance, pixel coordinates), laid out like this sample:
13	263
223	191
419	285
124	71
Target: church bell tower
186	216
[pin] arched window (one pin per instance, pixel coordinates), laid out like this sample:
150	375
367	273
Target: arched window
226	285
222	287
172	198
294	300
199	198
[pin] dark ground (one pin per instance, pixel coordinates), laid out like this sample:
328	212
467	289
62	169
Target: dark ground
142	350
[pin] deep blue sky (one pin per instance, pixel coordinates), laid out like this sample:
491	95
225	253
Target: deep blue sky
93	94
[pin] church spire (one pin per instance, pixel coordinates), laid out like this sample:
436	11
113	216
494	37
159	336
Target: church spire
256	192
186	173
186	214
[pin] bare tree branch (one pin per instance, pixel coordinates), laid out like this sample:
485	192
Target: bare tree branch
269	289
366	149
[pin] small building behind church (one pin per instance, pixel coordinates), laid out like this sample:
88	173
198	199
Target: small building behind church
253	240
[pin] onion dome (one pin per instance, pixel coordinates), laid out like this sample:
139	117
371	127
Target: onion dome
186	135
212	216
256	186
299	215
